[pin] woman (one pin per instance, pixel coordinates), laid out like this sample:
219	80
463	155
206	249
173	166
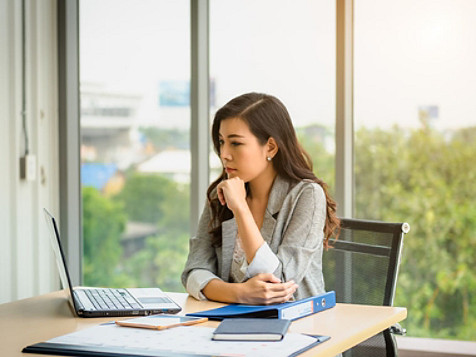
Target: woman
267	218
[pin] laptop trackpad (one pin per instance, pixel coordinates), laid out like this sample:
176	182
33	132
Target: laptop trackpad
153	300
151	297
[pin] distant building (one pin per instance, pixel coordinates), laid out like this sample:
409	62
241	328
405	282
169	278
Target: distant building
109	125
428	115
97	175
174	164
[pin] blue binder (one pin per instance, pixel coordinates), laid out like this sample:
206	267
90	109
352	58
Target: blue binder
289	310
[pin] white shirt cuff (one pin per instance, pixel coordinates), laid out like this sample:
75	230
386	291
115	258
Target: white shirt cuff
264	261
197	280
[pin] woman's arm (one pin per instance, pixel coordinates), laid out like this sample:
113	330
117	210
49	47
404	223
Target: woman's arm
262	289
250	235
232	193
201	265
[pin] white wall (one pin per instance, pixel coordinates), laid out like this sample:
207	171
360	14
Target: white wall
26	263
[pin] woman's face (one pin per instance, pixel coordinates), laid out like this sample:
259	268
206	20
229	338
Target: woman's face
240	152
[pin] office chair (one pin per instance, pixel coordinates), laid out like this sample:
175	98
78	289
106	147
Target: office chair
362	268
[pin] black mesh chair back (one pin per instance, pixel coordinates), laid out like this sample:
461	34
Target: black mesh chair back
362	268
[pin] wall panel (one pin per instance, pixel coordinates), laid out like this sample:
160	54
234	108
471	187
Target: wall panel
26	263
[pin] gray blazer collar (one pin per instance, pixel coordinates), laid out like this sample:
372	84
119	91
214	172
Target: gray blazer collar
277	195
229	228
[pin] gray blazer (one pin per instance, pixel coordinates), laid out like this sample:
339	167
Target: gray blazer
293	227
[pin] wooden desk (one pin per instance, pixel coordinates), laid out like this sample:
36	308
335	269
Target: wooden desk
41	318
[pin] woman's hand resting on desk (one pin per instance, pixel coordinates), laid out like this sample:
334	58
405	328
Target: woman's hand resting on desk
265	289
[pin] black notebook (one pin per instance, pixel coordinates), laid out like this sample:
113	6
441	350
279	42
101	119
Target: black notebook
251	330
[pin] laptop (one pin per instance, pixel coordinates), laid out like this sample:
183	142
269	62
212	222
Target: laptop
100	302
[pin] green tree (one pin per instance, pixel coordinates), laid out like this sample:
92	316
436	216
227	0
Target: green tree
312	139
427	179
103	224
162	261
143	196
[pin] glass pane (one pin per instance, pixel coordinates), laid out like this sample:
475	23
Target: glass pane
135	155
286	49
415	150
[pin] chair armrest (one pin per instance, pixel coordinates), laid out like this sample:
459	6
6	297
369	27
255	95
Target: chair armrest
397	329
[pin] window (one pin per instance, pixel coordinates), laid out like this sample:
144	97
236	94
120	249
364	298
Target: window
135	154
413	117
415	144
288	52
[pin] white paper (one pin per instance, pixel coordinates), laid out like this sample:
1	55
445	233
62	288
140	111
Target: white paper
186	339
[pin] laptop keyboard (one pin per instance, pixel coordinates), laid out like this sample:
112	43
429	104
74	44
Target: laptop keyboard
112	299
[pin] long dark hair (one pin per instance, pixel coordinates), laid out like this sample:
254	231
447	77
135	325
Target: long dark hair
267	117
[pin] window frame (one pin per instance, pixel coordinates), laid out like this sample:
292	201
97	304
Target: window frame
69	137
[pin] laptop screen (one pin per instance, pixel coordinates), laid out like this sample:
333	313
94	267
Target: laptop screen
59	254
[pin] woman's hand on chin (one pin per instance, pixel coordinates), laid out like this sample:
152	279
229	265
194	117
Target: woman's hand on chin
232	192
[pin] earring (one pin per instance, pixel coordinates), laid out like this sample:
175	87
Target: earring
269	158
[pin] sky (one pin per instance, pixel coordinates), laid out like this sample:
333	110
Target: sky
407	54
